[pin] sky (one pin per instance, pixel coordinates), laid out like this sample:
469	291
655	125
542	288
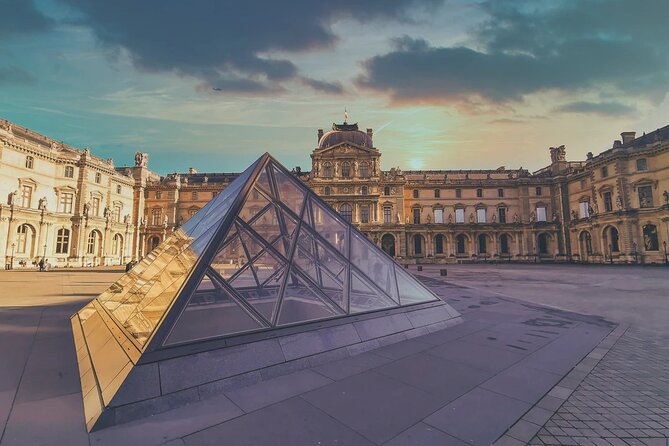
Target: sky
445	84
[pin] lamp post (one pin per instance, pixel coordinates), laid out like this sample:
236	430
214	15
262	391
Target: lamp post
44	256
12	261
634	253
666	260
610	254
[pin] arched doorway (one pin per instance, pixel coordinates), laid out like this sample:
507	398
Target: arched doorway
418	245
542	243
117	247
25	241
439	244
483	244
461	244
388	244
611	239
585	241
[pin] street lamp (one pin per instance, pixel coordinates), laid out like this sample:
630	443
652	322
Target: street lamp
12	263
611	254
634	253
44	256
666	260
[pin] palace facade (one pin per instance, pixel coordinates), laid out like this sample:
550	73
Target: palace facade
610	208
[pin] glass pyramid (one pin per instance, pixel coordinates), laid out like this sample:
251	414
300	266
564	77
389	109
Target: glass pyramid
264	254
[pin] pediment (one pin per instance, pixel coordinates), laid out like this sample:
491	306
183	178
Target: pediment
346	149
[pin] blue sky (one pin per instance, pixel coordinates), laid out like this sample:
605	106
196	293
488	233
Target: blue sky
446	84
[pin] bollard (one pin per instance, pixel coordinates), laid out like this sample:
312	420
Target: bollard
420	268
443	272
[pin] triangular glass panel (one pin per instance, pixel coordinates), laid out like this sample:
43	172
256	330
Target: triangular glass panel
253	246
290	193
282	246
330	260
374	264
412	291
256	203
329	226
230	258
265	265
333	289
305	263
266	298
244	278
301	304
211	312
263	182
364	297
289	225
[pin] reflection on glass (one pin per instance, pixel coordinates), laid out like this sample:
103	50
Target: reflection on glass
363	296
329	226
375	265
301	304
412	291
290	192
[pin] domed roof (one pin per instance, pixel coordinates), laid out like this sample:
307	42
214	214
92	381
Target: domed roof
345	133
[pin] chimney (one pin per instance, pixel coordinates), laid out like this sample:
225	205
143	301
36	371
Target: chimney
617	143
627	136
589	155
320	134
370	132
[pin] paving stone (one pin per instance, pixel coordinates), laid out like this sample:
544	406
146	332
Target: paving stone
423	434
522	383
353	365
477	355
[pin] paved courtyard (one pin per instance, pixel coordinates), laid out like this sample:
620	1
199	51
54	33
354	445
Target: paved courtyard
514	371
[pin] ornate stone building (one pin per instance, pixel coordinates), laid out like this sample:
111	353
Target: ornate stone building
613	207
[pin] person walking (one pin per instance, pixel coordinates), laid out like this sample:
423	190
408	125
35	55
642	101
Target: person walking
41	265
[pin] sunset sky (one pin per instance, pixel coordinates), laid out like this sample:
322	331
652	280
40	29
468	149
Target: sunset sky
445	84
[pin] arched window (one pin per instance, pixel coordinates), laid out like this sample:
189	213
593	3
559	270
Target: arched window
504	244
364	170
93	245
345	169
611	239
327	191
62	241
650	241
586	243
117	245
25	237
439	244
418	245
346	212
388	244
461	242
542	241
327	170
483	245
386	190
364	190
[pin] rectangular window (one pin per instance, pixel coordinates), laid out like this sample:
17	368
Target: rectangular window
502	215
583	209
479	193
538	191
437	193
30	162
460	215
364	214
645	196
158	195
608	202
26	196
194	195
415	193
416	216
69	172
156	217
66	201
117	214
584	184
98	178
480	215
641	164
541	213
118	188
62	241
458	193
387	219
438	215
605	172
500	193
96	206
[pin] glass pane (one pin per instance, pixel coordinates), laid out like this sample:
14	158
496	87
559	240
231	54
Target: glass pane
282	245
330	260
333	289
230	258
329	226
364	297
263	182
306	264
253	246
267	225
264	299
290	224
244	279
210	312
375	265
255	204
300	303
266	265
411	291
290	193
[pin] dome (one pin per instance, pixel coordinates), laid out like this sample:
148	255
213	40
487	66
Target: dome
345	133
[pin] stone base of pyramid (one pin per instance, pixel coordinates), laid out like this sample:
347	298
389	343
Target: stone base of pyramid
157	384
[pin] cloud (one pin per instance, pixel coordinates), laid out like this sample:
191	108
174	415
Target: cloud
528	47
324	86
13	75
19	17
229	45
611	109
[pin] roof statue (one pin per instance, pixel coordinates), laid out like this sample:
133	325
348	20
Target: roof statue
265	258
